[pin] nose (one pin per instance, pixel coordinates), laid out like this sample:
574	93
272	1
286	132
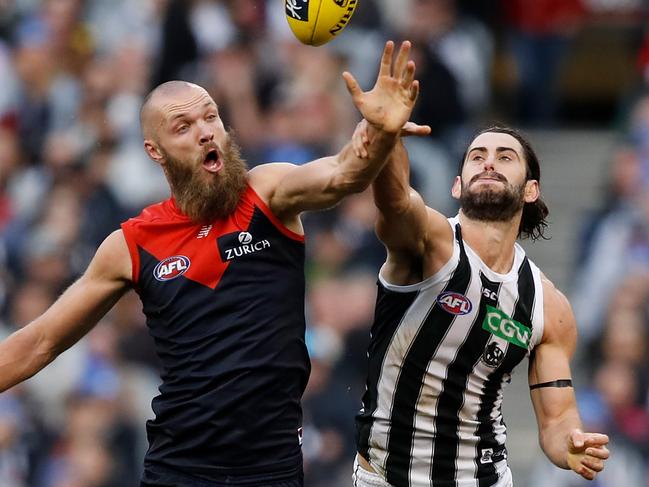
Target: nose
488	163
207	134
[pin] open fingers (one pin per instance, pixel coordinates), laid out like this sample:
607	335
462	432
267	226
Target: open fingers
386	59
411	128
409	74
414	90
352	85
402	60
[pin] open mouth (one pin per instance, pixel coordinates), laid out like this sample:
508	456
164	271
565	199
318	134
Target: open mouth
212	162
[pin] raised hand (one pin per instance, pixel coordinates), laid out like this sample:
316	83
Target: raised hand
587	453
388	105
361	136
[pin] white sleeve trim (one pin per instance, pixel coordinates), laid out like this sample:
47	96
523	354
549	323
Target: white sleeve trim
436	278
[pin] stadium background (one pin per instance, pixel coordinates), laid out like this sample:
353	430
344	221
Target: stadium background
573	73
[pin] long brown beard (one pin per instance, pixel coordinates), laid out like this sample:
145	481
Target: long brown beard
492	205
205	197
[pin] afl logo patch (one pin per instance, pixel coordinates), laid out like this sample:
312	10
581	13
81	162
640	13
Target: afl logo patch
454	303
171	267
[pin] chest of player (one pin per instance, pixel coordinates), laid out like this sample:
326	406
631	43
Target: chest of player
204	253
189	269
472	326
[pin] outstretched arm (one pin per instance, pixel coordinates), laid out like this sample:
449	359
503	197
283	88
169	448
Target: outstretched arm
81	306
560	429
412	232
320	184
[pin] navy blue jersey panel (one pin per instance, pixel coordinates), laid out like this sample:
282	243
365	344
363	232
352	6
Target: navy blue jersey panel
234	360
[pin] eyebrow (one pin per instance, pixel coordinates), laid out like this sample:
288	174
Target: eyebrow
184	114
498	149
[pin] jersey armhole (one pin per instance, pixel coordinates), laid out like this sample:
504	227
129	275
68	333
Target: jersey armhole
127	228
436	278
539	311
271	216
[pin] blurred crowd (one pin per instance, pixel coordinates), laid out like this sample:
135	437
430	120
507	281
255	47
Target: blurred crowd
73	74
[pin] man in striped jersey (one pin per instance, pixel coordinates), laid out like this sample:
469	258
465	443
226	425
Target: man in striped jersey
459	306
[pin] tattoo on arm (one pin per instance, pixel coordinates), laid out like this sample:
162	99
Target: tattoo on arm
554	383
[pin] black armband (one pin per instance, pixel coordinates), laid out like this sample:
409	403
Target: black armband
554	383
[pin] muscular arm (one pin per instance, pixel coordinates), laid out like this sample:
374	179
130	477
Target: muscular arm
321	184
559	424
418	238
79	308
401	224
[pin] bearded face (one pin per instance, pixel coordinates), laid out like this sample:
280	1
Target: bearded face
203	195
492	202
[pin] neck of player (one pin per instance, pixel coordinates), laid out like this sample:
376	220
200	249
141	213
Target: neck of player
492	241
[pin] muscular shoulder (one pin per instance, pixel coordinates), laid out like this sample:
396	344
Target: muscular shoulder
439	228
559	321
112	260
265	178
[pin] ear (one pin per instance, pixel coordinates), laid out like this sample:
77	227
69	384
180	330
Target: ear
456	190
532	191
153	151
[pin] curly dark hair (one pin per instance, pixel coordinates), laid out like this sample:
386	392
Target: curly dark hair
534	220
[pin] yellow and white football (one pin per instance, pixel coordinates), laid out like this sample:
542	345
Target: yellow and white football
315	22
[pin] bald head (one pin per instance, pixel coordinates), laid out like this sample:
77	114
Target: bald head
151	113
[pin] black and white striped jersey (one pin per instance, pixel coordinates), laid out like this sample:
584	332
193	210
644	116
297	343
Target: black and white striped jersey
440	354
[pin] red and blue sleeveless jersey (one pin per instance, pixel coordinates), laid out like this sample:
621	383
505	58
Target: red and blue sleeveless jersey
224	303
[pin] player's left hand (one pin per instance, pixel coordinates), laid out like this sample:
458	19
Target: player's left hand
587	453
388	105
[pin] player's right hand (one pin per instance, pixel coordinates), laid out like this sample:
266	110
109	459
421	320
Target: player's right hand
388	105
587	453
361	136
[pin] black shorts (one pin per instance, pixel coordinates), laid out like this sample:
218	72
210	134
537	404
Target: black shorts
159	476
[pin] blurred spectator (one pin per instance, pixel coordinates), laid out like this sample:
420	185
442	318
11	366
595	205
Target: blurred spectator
622	184
643	59
10	160
611	407
454	55
618	237
30	300
89	454
10	87
73	75
179	48
340	313
456	60
14	459
539	41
